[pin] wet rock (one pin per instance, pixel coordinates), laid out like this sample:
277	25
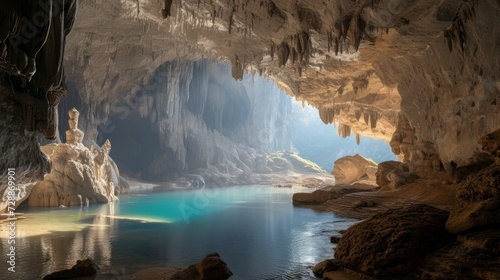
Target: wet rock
472	256
83	268
321	196
324	266
350	169
393	243
316	197
478	202
335	239
212	267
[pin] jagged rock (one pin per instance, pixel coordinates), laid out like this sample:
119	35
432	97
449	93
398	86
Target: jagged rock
85	268
78	174
490	143
393	243
324	266
478	202
383	169
471	256
350	169
212	267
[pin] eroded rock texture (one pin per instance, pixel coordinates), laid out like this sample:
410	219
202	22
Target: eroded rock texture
350	169
393	244
32	39
79	176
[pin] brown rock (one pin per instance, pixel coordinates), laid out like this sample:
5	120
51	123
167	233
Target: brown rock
393	243
335	239
81	269
383	170
212	267
316	197
350	169
490	143
478	202
324	266
470	257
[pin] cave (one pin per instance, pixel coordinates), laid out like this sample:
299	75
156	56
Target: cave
152	135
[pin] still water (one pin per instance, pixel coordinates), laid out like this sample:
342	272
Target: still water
255	229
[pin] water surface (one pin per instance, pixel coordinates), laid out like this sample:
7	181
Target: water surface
255	229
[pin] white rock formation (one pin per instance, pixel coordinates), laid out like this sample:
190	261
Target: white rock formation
78	174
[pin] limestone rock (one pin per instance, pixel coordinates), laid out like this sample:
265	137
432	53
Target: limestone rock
85	268
212	267
350	169
383	169
393	243
79	175
478	202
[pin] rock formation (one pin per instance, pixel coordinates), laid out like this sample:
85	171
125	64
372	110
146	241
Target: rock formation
394	243
78	175
212	267
84	268
350	169
32	39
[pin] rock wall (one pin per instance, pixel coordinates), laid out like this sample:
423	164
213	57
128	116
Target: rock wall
187	116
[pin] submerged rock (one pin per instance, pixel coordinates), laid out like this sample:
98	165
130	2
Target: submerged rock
83	268
393	243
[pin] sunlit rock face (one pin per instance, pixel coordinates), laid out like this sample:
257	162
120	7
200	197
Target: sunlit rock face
187	117
79	176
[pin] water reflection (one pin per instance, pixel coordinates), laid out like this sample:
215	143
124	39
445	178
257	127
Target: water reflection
262	236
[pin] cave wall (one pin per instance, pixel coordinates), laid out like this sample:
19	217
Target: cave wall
189	116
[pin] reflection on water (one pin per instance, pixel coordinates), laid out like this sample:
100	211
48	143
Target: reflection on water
255	229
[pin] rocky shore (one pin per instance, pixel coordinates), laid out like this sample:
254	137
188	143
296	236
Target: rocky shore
415	225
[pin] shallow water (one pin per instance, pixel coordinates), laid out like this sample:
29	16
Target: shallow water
255	229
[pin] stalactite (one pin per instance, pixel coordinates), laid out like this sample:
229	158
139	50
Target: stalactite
366	116
344	130
358	138
357	114
373	119
165	12
283	53
327	115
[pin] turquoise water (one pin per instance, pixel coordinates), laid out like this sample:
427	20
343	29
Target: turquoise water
255	229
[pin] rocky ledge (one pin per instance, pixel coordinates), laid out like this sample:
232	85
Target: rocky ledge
420	226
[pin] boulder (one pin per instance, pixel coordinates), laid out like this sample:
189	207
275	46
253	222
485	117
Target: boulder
393	243
350	169
478	202
383	169
324	266
212	267
83	268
